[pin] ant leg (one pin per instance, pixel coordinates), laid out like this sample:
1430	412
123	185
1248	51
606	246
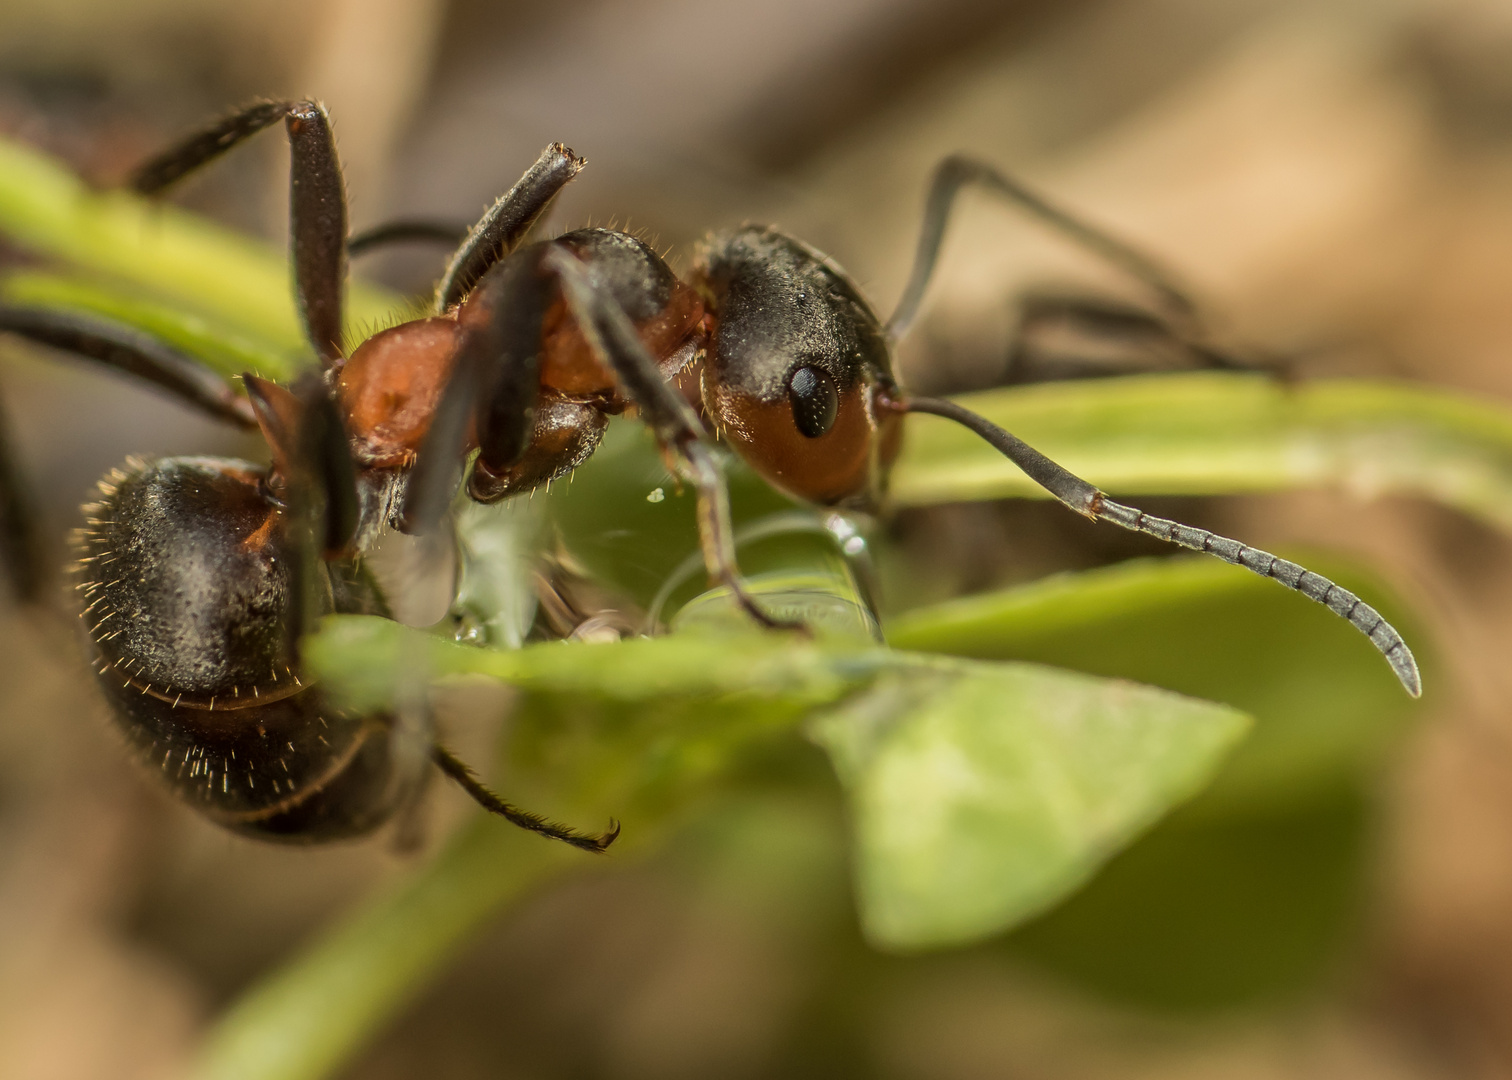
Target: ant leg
124	349
20	546
506	222
315	480
405	231
183	157
493	387
317	203
535	823
954	173
317	226
1094	324
130	351
1092	503
676	426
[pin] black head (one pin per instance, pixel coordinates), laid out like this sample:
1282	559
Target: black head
798	376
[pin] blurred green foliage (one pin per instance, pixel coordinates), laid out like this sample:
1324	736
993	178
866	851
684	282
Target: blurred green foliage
1248	892
985	783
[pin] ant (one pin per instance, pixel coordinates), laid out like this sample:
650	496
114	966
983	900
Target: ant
200	575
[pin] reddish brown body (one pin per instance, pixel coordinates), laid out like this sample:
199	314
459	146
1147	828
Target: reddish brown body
390	387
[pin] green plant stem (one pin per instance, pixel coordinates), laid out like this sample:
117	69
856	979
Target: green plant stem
51	212
315	1013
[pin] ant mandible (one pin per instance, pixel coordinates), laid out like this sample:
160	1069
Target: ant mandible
201	574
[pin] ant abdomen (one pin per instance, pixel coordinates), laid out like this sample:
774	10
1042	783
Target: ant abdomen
184	568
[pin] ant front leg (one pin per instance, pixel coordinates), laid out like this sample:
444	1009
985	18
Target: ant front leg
955	173
676	426
317	203
317	484
505	224
315	480
492	390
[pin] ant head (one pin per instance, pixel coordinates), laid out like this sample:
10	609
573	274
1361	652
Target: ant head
798	376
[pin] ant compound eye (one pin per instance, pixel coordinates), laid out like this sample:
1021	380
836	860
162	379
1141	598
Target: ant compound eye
815	401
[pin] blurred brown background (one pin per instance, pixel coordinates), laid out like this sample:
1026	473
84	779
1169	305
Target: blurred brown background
1334	177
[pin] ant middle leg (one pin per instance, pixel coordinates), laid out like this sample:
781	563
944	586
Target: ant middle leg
499	232
668	414
132	352
1063	336
406	231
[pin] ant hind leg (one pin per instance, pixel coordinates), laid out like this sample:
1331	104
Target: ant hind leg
317	202
488	800
125	349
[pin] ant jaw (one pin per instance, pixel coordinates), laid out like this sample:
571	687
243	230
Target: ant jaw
277	412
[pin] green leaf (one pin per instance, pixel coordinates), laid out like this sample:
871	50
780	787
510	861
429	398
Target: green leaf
367	662
226	349
1326	704
1210	912
629	522
179	256
1045	772
1248	893
982	793
1225	433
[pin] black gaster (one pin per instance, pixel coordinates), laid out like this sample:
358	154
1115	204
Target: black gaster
186	569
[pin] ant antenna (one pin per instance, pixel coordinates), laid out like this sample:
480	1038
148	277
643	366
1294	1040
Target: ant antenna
1092	503
535	823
